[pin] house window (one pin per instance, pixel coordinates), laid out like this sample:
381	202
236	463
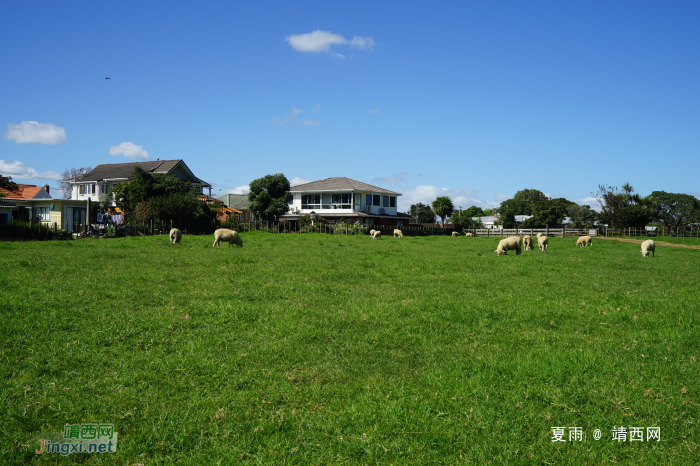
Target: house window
93	189
103	188
369	200
376	199
386	201
311	201
392	201
341	201
399	223
42	213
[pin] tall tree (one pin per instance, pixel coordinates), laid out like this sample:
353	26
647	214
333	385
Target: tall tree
7	183
443	208
422	213
269	196
611	200
582	216
523	202
71	174
674	210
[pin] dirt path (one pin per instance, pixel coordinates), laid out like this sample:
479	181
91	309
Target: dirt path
639	241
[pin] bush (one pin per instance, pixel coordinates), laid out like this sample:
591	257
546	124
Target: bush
24	231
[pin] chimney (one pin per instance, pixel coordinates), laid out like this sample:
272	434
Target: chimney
46	188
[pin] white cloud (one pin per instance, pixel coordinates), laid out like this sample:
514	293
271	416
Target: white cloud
34	132
391	179
321	41
130	151
427	194
296	181
591	201
374	111
502	196
292	119
245	189
17	169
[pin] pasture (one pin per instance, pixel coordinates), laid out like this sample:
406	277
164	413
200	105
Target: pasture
320	349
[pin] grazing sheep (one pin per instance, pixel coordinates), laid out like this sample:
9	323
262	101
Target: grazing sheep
528	243
538	235
584	241
509	244
648	245
468	235
543	242
454	233
223	234
175	236
398	233
371	232
377	234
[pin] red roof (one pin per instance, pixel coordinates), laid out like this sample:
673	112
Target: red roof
24	191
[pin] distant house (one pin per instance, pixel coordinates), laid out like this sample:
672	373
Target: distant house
341	198
96	184
34	203
239	203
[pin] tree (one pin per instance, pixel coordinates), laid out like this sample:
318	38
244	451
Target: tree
473	211
422	213
635	216
611	200
582	216
71	174
548	212
269	196
488	212
506	219
523	202
7	183
674	210
443	208
465	218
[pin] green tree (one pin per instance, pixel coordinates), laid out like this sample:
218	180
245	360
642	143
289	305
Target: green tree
523	202
422	213
582	216
473	211
635	216
269	196
548	212
674	210
488	212
7	183
443	208
506	219
465	219
531	196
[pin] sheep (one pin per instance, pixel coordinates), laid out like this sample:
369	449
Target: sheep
528	243
584	241
371	232
543	242
223	234
468	235
377	234
509	244
175	236
455	233
538	235
398	233
648	245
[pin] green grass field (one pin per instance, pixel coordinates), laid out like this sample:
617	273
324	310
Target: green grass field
318	349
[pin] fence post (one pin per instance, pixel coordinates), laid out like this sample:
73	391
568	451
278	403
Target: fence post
547	229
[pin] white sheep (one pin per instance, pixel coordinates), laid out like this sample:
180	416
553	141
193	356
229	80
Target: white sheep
377	234
528	243
584	241
543	242
223	234
455	233
511	243
468	235
371	232
398	233
538	235
175	236
648	245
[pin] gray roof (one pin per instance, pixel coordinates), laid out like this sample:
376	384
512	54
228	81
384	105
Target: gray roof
338	184
126	170
237	201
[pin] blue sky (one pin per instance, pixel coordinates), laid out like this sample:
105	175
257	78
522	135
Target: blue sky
475	100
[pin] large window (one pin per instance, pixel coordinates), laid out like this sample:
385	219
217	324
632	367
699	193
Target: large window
369	200
342	201
42	213
386	201
311	201
392	201
375	199
103	188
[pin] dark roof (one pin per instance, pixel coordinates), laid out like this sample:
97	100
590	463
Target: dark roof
126	170
339	184
237	201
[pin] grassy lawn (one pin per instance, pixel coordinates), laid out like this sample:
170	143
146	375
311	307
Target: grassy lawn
318	349
687	240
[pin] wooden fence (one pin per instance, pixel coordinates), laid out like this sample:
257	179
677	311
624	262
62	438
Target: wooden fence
500	232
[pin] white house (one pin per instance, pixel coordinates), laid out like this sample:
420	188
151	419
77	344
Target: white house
342	198
96	184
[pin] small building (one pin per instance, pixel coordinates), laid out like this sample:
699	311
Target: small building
34	203
240	203
340	198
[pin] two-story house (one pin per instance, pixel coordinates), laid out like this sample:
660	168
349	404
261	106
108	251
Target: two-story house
96	184
342	198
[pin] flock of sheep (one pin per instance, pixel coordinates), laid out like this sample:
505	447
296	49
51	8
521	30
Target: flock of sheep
511	243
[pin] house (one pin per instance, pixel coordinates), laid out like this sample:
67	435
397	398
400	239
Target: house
96	184
33	203
238	202
341	198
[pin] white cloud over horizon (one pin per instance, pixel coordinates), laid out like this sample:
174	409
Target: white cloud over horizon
292	119
130	151
296	181
245	189
29	132
18	169
321	41
427	194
